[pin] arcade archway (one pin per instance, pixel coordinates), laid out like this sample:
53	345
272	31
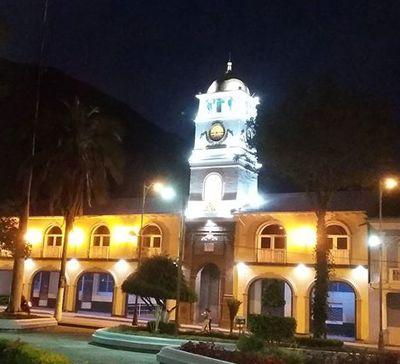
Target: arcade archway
44	289
342	313
5	286
95	293
270	296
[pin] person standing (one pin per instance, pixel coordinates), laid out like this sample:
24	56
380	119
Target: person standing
207	320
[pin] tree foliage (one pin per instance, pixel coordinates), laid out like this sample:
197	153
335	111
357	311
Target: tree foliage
79	153
326	138
157	278
9	235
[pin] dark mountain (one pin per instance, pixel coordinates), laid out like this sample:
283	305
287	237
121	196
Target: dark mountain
151	152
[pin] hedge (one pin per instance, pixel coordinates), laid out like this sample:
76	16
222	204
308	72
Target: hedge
163	327
318	343
4	299
16	352
272	328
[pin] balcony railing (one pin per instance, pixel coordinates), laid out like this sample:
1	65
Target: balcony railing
5	253
271	255
340	256
100	252
394	275
52	251
149	252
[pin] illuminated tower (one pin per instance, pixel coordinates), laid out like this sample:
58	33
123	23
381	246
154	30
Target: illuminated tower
223	165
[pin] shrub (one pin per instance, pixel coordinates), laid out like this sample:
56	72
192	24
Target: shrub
233	306
163	327
354	357
318	343
272	328
167	328
4	300
250	343
289	356
15	352
212	334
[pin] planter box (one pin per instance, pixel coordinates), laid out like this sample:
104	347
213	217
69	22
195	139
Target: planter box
133	342
171	355
26	324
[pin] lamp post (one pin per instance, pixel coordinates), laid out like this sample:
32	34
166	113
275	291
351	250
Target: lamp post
166	193
180	258
384	184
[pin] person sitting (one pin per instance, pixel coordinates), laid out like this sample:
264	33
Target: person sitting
25	305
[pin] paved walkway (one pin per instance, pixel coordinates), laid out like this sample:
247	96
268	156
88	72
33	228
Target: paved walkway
95	320
74	343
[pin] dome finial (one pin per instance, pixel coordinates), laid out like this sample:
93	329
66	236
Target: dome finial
229	64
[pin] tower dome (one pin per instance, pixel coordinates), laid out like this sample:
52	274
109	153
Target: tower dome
228	82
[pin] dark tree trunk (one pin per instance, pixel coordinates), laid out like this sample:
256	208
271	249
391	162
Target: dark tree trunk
19	265
319	305
69	223
19	253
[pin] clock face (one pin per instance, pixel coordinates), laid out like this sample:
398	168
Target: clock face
216	132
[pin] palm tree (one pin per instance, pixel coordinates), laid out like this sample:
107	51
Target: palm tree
83	152
326	139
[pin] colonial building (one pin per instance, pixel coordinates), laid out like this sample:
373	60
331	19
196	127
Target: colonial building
237	243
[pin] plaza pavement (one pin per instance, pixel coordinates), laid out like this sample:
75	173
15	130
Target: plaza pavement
73	342
95	320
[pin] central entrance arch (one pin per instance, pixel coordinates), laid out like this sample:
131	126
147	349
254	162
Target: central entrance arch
208	285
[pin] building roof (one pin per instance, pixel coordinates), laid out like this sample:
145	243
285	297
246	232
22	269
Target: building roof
366	201
229	81
274	202
300	201
126	206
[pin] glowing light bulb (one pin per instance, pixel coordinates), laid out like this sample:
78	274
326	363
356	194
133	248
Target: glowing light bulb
390	183
374	241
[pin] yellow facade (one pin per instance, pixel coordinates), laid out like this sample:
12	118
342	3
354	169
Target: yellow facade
119	260
295	267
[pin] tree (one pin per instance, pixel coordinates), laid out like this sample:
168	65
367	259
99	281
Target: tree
9	234
233	306
26	179
326	139
156	281
273	295
81	150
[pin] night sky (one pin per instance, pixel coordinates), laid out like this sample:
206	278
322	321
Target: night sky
156	55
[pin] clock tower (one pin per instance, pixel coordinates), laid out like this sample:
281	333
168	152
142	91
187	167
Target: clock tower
223	165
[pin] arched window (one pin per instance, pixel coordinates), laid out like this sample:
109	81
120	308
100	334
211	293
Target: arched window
338	237
272	237
151	236
101	236
213	188
54	236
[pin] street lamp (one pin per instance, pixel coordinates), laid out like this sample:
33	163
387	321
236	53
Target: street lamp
166	193
388	183
180	263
